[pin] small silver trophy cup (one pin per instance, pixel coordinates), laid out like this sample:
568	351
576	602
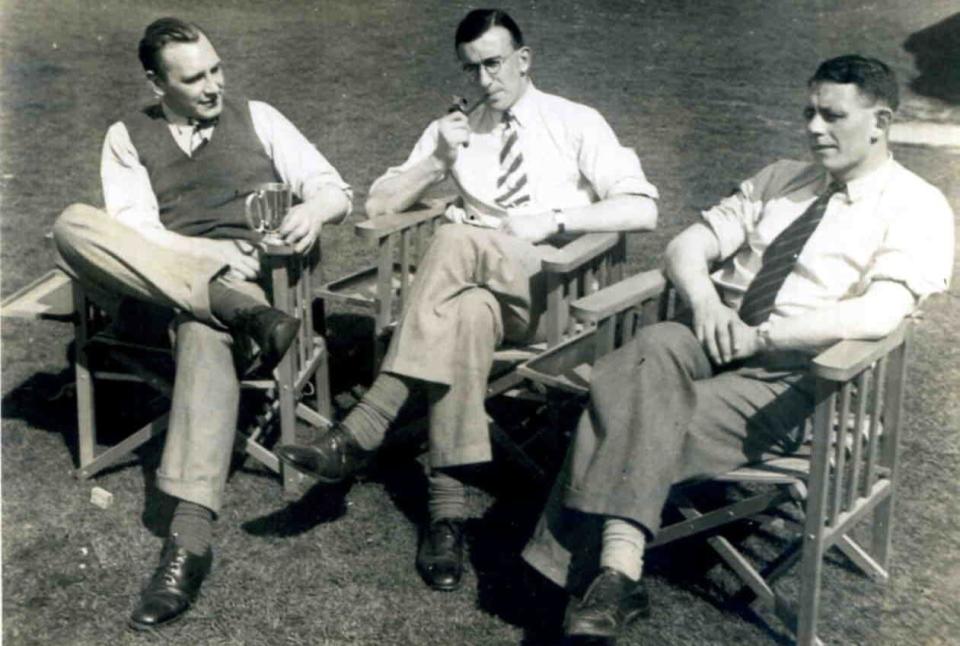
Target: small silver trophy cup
265	210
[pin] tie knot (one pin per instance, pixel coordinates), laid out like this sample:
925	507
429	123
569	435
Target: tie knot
203	124
835	187
508	117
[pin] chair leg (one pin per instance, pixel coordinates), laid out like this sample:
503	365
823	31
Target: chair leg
883	532
321	381
86	413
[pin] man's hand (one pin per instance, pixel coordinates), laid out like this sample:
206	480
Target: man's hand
242	256
300	228
533	228
723	334
454	132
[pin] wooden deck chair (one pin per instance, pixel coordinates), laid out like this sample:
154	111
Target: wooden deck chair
585	264
301	374
846	475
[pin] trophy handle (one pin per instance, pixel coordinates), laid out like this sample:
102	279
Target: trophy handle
252	203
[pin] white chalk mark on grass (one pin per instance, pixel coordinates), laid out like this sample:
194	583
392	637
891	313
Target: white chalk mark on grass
926	133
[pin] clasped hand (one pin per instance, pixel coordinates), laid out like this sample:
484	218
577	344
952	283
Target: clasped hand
724	336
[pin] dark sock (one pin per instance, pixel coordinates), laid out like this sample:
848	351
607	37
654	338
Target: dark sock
369	420
226	303
192	527
447	496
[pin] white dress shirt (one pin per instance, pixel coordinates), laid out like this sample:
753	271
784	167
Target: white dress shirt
128	194
887	225
571	157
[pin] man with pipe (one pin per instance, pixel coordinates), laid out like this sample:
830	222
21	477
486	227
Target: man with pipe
528	165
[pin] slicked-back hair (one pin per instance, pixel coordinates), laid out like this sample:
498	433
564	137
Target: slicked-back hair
874	77
479	21
158	34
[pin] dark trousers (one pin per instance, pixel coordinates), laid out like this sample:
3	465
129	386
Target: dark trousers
660	413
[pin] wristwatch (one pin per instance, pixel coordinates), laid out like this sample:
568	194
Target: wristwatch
558	217
763	335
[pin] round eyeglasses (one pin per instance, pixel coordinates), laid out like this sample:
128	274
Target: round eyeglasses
493	66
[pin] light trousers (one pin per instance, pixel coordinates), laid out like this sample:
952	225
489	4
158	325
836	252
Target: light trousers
474	289
112	259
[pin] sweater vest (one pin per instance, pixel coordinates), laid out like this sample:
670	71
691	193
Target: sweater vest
203	195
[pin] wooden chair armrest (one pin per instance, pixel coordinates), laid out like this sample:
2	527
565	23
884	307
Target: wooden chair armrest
846	359
579	251
619	296
386	225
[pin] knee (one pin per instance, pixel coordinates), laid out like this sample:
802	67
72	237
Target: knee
665	338
478	311
72	222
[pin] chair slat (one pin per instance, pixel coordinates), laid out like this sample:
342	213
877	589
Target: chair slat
840	453
404	263
870	473
859	424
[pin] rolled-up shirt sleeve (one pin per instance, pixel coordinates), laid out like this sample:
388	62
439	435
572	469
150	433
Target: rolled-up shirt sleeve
917	250
737	214
127	192
426	145
296	160
612	169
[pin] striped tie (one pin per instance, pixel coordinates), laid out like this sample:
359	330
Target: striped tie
512	182
780	258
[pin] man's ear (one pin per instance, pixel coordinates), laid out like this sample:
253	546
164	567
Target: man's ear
526	58
156	83
883	117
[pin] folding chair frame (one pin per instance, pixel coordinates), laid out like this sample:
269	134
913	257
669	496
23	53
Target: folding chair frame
303	371
849	474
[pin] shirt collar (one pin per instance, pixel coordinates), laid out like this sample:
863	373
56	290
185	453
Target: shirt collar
182	122
871	183
524	108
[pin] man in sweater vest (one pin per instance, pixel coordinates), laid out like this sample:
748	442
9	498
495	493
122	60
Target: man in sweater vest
174	240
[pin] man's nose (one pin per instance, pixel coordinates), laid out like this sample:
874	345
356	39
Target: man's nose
212	84
484	78
815	125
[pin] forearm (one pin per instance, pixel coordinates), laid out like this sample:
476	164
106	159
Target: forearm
868	317
688	259
328	205
397	193
617	213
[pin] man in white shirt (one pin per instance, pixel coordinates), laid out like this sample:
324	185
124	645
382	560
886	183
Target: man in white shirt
528	165
810	254
174	239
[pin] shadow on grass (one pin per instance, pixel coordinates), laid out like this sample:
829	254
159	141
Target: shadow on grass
936	54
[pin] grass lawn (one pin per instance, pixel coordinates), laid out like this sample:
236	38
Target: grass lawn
706	92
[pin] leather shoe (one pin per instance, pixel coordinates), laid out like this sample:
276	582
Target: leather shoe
440	555
173	587
611	602
332	459
272	330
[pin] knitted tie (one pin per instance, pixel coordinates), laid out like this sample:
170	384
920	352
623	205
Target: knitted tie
200	135
512	181
780	258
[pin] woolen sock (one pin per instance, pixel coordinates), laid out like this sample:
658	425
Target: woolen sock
446	496
623	545
369	420
192	527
